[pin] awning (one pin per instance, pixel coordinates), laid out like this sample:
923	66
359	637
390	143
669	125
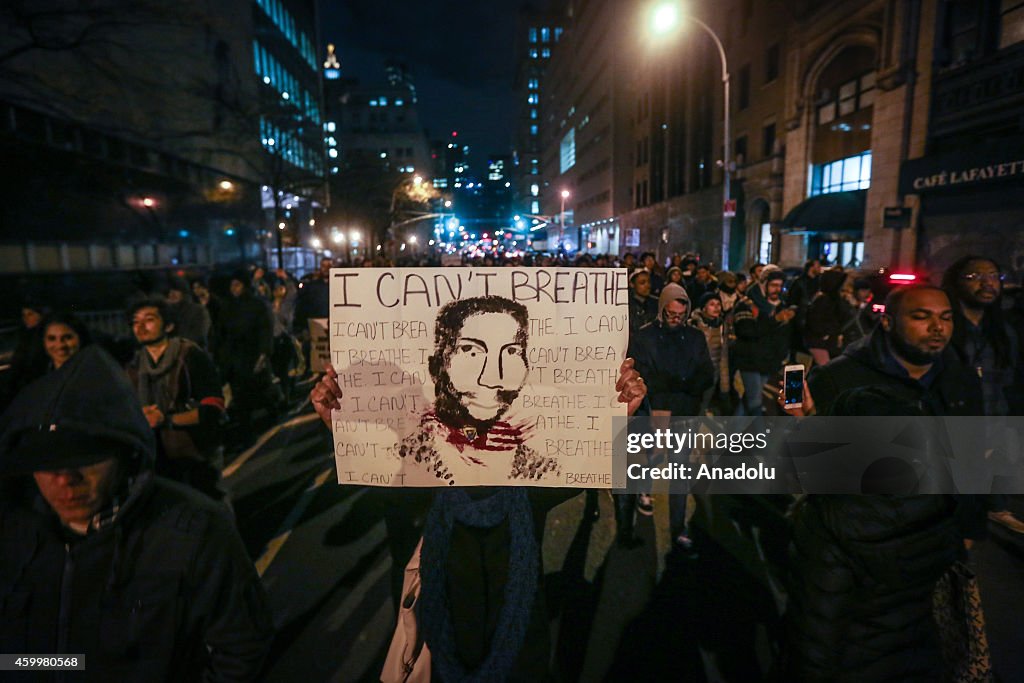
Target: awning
836	212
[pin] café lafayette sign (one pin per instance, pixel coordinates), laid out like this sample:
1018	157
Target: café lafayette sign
935	174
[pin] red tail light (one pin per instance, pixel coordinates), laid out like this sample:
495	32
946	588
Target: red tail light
902	277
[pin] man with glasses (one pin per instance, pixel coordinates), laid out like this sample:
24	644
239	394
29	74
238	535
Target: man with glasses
674	358
988	345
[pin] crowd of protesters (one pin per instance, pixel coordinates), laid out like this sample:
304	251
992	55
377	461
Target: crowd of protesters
88	445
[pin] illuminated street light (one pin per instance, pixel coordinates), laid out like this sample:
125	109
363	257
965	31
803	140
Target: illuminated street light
338	238
354	235
226	185
412	239
148	202
280	226
664	19
315	243
417	180
448	204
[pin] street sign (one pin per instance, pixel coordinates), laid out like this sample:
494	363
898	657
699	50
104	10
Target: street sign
896	217
729	208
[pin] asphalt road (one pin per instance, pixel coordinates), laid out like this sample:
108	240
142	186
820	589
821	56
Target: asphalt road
618	613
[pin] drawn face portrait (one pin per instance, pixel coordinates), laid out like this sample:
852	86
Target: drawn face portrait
488	366
479	365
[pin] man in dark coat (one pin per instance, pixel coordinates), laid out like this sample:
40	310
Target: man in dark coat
865	567
643	308
244	343
192	320
146	578
908	356
673	356
762	325
180	394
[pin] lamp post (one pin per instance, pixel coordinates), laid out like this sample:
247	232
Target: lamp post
665	18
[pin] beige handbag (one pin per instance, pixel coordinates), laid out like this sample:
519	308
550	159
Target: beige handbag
408	658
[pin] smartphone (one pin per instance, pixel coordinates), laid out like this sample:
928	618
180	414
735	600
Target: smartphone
793	386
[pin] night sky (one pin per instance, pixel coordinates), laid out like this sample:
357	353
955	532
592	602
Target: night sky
461	55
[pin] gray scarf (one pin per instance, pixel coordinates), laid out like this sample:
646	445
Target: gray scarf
157	383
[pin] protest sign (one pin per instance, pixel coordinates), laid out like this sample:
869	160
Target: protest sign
477	376
319	344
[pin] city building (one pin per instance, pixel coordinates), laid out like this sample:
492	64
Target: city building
964	186
537	35
586	136
291	122
125	151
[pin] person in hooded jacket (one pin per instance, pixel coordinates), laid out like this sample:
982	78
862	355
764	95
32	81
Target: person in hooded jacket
675	357
708	318
244	345
147	578
826	317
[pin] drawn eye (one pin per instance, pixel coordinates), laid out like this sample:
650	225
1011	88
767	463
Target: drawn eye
512	350
468	348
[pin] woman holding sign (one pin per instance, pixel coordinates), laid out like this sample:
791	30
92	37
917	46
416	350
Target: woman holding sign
480	612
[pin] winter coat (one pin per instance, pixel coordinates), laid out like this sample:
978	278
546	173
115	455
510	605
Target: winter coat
675	363
192	321
641	312
313	301
161	590
863	572
715	334
827	315
143	598
954	391
245	333
762	342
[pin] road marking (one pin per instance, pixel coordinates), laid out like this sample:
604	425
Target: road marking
262	441
275	544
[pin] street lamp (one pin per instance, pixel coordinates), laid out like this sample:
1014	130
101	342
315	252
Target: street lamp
663	21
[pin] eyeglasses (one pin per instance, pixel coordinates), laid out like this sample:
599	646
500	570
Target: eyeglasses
674	316
980	277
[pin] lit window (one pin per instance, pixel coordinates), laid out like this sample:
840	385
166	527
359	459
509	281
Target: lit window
533	129
534	190
533	53
535	207
533	84
558	33
383	101
567	151
373	103
851	173
533	35
332	153
532	98
331	127
765	251
545	35
399	103
545	53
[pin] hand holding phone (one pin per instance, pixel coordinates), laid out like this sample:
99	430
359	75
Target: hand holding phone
793	386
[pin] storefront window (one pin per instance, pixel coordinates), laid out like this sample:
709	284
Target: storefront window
851	173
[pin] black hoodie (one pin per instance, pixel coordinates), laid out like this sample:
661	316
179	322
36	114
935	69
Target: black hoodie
162	591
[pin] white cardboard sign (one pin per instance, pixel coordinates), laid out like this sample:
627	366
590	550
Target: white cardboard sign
319	344
477	376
